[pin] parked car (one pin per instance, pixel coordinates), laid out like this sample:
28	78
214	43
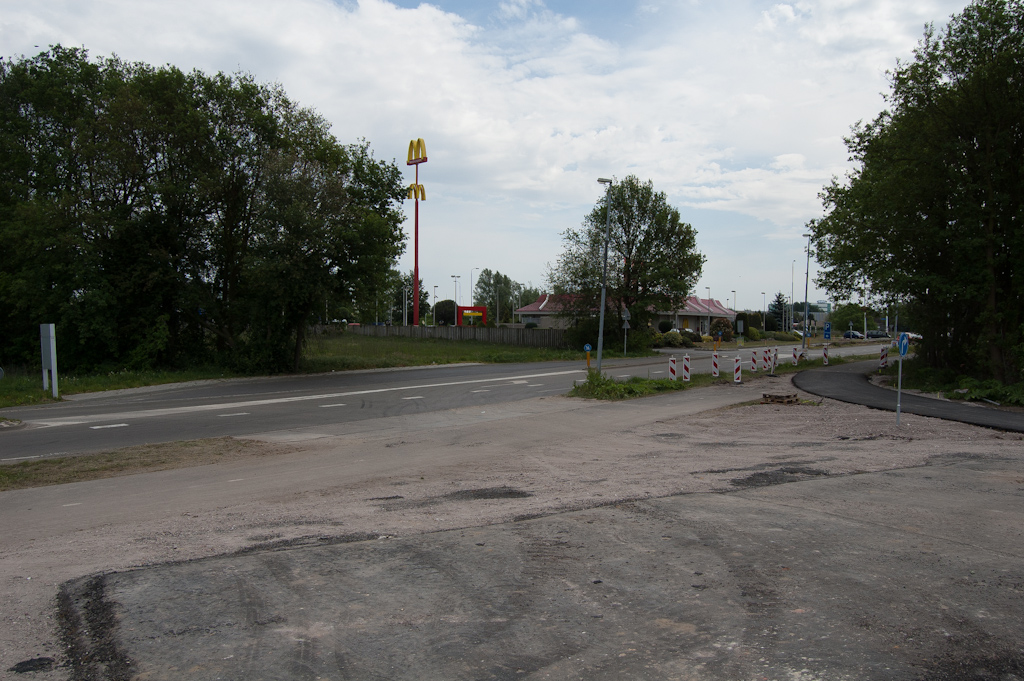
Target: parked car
877	333
853	334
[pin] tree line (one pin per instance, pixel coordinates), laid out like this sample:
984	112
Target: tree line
932	218
163	218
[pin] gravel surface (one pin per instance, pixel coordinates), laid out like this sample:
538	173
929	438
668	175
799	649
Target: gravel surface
551	455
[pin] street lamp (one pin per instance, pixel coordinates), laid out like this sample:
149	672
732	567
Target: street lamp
707	304
435	306
472	301
735	303
456	277
604	272
807	281
792	269
764	311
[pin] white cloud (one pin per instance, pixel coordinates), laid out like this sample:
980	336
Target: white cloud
736	110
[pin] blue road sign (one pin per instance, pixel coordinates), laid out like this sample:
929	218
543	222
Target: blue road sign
903	344
828	330
587	348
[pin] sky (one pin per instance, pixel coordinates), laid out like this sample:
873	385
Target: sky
735	109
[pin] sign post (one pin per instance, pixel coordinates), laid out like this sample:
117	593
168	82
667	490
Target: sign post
828	331
48	344
587	349
904	347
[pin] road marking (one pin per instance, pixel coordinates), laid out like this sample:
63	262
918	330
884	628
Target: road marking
415	397
534	385
237	480
482	390
518	382
77	504
657	372
112	425
22	458
172	411
623	375
241	413
324	406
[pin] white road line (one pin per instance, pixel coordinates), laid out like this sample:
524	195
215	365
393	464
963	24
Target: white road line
237	480
534	385
482	390
23	458
66	505
112	425
324	406
171	411
241	413
657	372
415	397
518	382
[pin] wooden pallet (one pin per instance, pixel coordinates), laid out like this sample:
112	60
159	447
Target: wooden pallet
767	398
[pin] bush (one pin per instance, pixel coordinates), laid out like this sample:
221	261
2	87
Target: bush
664	326
530	325
673	339
752	334
692	336
721	326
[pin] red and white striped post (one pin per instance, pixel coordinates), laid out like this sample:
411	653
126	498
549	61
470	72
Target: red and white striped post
796	358
775	358
824	355
672	367
764	360
714	364
737	371
753	361
883	360
686	368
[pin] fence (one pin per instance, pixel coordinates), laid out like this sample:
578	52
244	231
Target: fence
540	338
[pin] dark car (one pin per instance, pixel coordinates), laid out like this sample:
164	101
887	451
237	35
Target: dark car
877	333
853	334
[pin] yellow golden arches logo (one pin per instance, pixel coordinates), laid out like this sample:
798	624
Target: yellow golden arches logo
416	191
417	152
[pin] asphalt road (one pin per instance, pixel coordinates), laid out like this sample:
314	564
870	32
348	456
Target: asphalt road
244	407
849	383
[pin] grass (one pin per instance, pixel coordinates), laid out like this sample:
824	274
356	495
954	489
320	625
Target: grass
127	461
917	376
600	387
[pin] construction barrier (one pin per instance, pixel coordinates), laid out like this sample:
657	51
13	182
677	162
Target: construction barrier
737	371
686	368
883	360
753	361
764	360
796	357
672	367
714	364
824	355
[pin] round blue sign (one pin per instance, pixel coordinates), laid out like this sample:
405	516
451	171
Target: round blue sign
903	344
587	348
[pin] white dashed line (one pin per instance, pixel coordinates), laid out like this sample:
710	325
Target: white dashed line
324	406
480	391
23	458
77	504
237	480
415	397
112	425
534	385
241	413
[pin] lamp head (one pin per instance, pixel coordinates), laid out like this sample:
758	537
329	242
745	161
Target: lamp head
604	180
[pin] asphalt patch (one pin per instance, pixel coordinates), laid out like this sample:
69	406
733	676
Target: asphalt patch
36	664
778	476
503	492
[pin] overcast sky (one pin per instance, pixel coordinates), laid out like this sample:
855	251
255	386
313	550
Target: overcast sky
736	109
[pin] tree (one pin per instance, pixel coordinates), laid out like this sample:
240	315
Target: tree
163	218
444	312
777	311
931	217
401	294
843	315
653	263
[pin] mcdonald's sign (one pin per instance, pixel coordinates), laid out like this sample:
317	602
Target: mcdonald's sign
417	152
416	191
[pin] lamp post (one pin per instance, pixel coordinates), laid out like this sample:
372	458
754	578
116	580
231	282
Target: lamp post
472	300
417	155
604	272
435	306
792	269
764	311
455	278
807	281
707	304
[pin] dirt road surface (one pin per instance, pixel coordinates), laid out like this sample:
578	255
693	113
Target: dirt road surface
674	537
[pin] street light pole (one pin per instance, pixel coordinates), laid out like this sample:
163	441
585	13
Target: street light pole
435	306
604	272
807	281
764	311
455	278
735	303
707	304
792	270
472	299
417	155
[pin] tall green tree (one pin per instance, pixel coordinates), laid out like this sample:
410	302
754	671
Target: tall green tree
165	218
653	262
931	217
778	310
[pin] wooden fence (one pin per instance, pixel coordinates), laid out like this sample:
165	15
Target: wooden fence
541	338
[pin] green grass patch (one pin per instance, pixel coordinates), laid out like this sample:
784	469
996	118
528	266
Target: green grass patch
917	376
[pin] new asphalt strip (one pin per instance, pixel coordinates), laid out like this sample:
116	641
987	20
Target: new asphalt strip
906	574
849	383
